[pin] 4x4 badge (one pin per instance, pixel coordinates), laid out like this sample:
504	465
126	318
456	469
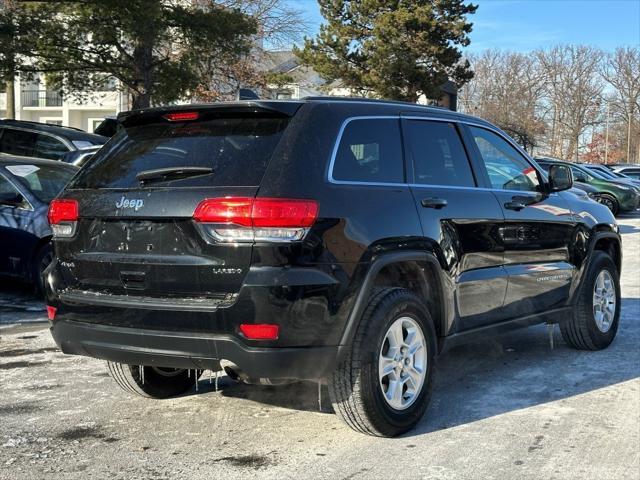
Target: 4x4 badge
135	203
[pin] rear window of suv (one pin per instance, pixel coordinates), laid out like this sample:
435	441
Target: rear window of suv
236	148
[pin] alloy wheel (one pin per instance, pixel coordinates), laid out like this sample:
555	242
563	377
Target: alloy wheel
402	363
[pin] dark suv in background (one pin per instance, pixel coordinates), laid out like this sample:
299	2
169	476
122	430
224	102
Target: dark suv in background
338	240
42	140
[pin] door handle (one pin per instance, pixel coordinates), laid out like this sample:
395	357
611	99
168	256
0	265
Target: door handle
436	203
514	205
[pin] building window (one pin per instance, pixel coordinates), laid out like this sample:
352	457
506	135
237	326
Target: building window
93	124
284	95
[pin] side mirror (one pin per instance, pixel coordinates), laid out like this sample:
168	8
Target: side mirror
560	178
11	199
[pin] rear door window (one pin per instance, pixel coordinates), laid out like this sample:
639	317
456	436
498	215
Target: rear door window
237	149
49	147
437	154
44	181
18	142
370	151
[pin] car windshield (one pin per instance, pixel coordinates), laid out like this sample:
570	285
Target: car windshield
602	172
44	181
595	173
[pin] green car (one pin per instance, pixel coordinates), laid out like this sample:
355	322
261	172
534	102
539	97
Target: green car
617	196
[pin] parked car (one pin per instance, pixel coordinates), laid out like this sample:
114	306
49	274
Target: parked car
617	196
585	190
26	188
609	174
80	157
632	171
41	140
341	240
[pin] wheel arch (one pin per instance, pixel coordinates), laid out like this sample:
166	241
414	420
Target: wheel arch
419	272
610	243
601	241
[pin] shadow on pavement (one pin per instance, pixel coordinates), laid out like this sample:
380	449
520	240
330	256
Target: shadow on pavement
488	378
19	303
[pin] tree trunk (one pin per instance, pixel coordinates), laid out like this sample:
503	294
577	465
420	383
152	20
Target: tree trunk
143	60
140	101
11	99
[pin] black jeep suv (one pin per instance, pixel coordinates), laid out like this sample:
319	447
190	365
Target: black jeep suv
338	240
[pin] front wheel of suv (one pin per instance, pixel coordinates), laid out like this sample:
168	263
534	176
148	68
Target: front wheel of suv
383	385
594	322
153	382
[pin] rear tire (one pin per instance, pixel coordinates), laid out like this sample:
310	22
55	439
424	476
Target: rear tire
594	322
153	382
381	388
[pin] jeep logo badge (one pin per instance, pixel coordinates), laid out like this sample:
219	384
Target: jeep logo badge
135	203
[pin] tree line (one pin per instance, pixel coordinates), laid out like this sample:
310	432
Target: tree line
573	102
162	51
569	101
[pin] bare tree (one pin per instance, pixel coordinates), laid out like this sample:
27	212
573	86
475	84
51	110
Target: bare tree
574	89
508	90
279	26
621	70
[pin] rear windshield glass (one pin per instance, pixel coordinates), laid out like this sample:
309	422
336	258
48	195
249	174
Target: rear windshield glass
237	149
44	181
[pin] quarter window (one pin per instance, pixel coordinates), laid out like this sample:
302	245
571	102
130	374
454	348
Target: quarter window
9	196
506	167
437	154
370	151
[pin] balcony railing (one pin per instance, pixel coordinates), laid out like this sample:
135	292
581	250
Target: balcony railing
41	98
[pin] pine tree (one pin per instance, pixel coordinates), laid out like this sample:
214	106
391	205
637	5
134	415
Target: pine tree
396	49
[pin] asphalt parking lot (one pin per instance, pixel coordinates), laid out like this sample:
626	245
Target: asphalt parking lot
510	408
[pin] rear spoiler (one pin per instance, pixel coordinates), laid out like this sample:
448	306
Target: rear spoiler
153	115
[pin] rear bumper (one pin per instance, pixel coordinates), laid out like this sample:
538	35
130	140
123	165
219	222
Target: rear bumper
191	350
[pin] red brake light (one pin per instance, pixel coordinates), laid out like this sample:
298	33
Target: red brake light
258	212
261	331
181	116
284	213
63	211
51	312
227	210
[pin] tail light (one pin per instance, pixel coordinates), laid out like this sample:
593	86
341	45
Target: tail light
63	217
51	312
246	219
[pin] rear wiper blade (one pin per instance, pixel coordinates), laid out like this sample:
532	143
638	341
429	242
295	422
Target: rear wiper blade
171	173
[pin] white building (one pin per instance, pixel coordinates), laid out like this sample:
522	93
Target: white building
34	102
